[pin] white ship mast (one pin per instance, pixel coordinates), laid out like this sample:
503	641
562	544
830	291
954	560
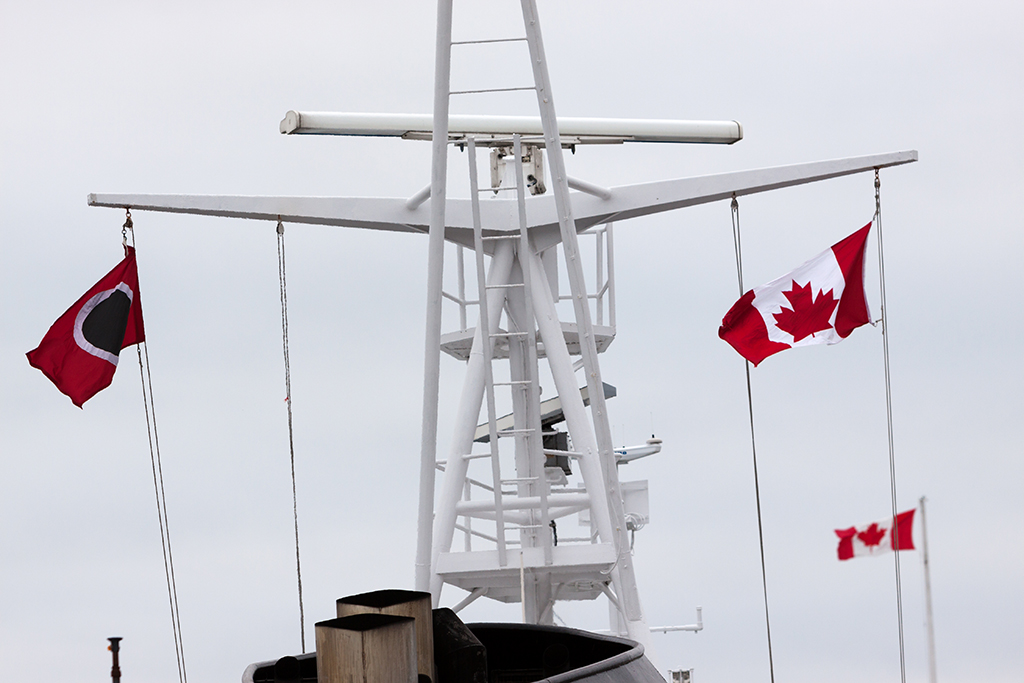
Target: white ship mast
510	553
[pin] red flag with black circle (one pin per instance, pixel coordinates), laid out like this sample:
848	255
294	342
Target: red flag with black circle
80	351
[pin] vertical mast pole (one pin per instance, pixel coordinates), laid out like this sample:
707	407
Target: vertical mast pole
629	598
435	268
932	676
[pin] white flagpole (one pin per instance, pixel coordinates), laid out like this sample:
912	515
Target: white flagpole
928	597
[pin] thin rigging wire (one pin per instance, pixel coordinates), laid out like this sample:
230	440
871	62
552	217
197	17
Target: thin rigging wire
888	415
288	403
149	405
753	446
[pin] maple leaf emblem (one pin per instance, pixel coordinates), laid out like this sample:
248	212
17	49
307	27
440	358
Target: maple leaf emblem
872	535
808	315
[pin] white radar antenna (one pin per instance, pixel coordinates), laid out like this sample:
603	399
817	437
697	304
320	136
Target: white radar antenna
520	461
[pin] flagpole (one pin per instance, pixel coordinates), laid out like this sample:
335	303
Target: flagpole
932	677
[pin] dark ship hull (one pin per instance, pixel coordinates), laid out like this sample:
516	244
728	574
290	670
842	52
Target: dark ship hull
476	653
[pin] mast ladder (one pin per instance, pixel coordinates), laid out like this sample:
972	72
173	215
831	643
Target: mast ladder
529	308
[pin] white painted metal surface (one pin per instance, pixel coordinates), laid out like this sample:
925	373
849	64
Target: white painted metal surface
929	623
579	130
699	626
599	457
457	344
627	455
394	214
457	464
435	272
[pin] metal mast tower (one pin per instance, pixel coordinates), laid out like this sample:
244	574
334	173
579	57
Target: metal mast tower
509	527
524	503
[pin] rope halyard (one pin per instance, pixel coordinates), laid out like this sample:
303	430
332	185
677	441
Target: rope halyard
753	446
149	406
288	403
888	416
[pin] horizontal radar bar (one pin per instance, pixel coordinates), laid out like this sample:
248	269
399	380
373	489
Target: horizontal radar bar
420	126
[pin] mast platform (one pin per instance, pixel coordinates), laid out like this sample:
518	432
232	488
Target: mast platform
458	344
577	572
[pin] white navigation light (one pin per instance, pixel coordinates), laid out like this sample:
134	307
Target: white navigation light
501	128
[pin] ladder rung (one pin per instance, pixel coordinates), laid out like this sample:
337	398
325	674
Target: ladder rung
498	189
503	335
520	480
476	456
512	383
490	40
527	526
474	532
486	90
507	285
491	238
452	297
513	432
480	484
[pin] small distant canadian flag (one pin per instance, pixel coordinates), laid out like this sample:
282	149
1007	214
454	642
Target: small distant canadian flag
878	537
821	302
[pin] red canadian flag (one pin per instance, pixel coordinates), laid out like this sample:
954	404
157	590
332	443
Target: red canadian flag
80	351
878	537
821	302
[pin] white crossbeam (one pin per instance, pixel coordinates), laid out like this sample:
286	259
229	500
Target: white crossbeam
667	195
395	215
351	212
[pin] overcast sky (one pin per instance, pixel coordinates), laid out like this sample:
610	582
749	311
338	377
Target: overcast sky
186	97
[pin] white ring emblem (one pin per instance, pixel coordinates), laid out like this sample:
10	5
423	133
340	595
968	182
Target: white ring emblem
84	312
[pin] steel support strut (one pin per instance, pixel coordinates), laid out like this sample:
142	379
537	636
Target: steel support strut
624	577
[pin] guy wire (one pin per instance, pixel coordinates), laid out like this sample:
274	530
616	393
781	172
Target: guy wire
753	447
288	402
888	416
149	406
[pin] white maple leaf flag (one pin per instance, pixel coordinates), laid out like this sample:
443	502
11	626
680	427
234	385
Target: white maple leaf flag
821	302
877	538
